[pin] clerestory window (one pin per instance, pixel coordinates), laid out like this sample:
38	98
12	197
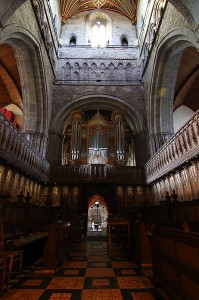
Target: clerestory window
98	34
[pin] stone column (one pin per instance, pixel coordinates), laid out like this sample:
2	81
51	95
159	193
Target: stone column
54	152
38	140
141	149
157	140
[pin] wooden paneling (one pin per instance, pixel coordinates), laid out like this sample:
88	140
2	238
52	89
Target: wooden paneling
176	262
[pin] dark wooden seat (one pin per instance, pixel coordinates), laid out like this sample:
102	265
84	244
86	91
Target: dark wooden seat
2	274
12	257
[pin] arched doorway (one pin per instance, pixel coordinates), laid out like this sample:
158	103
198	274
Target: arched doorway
97	216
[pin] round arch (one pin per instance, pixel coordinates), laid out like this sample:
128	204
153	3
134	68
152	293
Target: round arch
8	7
188	9
62	118
105	19
164	74
134	118
34	88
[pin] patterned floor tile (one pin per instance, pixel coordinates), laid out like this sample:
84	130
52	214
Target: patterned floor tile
100	272
74	265
33	282
99	264
88	274
77	258
142	296
100	282
26	294
101	294
67	283
71	272
127	272
119	258
98	258
123	265
134	282
60	296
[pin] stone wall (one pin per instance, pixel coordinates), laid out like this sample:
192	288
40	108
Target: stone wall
78	25
85	63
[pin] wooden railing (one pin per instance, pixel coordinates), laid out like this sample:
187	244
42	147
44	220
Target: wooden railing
182	147
16	149
98	173
176	214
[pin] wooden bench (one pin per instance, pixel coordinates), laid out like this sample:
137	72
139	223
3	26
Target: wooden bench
175	257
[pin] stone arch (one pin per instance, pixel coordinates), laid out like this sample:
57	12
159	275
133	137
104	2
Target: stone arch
111	71
102	70
129	72
105	19
107	102
62	118
34	88
167	61
76	76
67	71
9	7
93	71
76	69
189	9
85	72
121	72
124	40
73	40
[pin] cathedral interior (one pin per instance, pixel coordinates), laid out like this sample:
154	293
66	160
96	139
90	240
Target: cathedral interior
99	147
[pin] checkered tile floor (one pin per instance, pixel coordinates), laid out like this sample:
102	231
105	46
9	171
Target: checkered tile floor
88	274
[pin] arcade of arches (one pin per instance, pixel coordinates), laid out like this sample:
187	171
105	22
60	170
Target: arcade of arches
99	121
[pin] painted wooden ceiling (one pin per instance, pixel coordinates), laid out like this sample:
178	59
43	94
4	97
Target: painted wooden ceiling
125	7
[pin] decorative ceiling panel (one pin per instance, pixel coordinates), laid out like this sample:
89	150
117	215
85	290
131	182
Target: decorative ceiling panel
125	7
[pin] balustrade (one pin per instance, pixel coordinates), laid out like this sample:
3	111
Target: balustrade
18	150
182	147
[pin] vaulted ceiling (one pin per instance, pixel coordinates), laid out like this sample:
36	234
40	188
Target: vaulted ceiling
124	7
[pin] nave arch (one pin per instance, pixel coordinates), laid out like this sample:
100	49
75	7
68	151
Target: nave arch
160	106
60	120
30	64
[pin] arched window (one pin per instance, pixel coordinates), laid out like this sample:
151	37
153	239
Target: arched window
98	34
124	42
72	41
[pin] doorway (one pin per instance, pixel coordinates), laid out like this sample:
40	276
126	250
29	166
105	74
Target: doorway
97	216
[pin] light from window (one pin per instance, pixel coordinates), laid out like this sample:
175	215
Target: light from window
98	35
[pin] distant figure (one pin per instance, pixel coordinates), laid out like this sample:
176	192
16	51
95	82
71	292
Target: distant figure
27	198
174	196
168	197
20	197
